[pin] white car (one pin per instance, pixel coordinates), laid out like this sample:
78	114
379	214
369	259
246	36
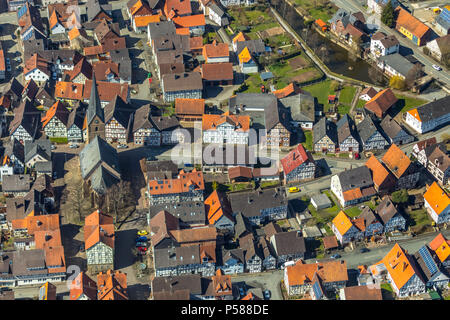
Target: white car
122	146
438	68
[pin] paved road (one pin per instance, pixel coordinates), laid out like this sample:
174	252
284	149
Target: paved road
443	76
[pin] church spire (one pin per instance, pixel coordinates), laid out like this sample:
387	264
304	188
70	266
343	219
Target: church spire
95	107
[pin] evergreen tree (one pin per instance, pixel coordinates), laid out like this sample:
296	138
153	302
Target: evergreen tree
387	16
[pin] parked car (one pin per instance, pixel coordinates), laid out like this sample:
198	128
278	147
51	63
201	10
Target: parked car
141	244
241	291
438	68
294	189
142	249
53	147
142	233
8	61
141	239
122	146
82	247
267	294
73	146
335	256
55	175
364	250
8	67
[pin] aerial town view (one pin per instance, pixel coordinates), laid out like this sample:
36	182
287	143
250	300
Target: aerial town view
224	150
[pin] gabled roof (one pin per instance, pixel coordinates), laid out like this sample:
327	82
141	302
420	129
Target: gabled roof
295	158
328	271
27	116
94	107
189	21
119	110
396	161
432	110
179	7
59	111
99	162
400	266
82	67
98	227
69	90
36	62
189	106
112	285
324	128
386	209
381	102
106	90
240	37
342	222
287	243
212	121
366	129
82	284
217	71
370	91
379	173
245	56
441	246
215	50
410	23
437	198
161	225
183	183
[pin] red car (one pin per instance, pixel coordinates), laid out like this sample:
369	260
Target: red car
142	249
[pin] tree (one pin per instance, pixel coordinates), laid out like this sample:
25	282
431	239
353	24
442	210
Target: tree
400	196
387	16
397	82
414	73
76	203
376	75
215	185
118	198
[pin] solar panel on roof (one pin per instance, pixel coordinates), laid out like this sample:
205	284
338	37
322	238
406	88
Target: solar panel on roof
429	262
317	291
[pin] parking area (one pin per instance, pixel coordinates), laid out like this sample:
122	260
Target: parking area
269	280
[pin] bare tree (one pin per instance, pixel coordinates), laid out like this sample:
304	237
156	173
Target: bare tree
118	198
76	203
376	75
414	73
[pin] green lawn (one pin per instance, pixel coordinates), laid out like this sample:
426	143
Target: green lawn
361	104
308	140
346	95
353	211
321	91
408	103
324	11
58	140
420	220
268	184
344	109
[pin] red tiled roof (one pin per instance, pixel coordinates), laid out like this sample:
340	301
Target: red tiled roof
381	102
215	50
107	90
189	106
217	71
179	185
295	158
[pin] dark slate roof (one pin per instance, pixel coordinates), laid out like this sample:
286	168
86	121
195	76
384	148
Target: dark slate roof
92	158
368	215
386	210
119	55
16	183
434	109
27	116
14	87
182	81
251	203
237	254
255	46
14	147
94	7
259	101
173	257
390	127
76	117
342	15
119	110
159	29
366	128
190	212
41	147
301	107
142	118
355	178
397	62
44	167
214	7
289	243
165	122
32	46
345	128
191	282
324	128
242	225
94	107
